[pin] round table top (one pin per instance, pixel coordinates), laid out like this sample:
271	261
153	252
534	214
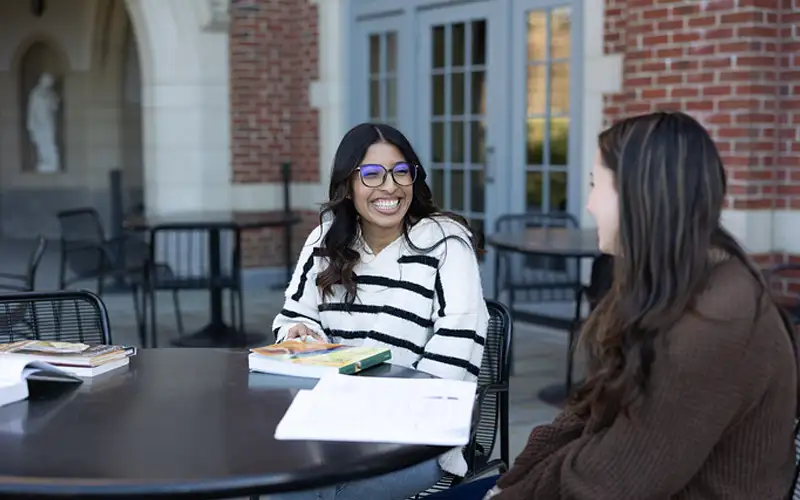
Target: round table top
184	423
559	242
209	219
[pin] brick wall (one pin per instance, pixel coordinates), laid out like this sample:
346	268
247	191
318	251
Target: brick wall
273	61
733	64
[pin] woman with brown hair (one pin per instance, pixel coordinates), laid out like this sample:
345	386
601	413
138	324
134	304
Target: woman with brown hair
691	388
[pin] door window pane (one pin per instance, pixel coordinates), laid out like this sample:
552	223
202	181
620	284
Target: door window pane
457	190
560	33
559	141
458	45
533	191
558	191
457	93
383	77
437	186
437	47
478	48
477	187
391	52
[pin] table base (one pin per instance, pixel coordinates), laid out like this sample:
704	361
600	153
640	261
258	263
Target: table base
221	335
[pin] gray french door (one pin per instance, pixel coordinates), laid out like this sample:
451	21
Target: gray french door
457	65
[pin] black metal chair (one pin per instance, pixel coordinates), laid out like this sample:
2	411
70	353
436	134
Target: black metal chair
537	279
492	402
789	299
66	315
89	254
25	282
189	254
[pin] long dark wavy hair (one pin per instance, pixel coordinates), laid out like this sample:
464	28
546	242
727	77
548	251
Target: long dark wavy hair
338	243
671	186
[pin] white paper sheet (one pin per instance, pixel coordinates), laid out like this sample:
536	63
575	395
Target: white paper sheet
383	410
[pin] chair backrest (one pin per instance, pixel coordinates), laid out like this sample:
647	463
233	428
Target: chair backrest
81	225
495	371
68	315
527	274
33	262
187	251
83	241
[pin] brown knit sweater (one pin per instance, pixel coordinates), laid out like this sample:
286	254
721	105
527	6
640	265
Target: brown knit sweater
716	423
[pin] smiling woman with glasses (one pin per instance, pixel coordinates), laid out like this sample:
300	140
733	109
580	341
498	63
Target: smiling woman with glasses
386	267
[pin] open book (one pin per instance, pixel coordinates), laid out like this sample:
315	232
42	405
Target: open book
315	359
434	412
17	370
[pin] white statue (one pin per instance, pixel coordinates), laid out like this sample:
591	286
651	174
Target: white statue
41	123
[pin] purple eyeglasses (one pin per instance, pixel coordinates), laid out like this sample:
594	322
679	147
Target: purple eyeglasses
374	175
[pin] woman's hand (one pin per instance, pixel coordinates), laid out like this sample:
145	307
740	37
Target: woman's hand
302	332
492	493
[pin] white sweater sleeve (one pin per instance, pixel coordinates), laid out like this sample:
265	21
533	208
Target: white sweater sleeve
302	295
460	317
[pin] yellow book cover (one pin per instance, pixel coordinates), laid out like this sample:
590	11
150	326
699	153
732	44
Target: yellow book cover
324	357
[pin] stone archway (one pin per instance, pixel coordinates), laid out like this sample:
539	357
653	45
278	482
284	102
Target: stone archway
183	50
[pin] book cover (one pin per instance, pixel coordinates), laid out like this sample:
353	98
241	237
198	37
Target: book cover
333	357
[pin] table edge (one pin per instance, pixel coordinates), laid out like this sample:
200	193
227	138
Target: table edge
323	476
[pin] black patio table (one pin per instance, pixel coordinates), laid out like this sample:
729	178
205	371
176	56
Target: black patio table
217	333
570	243
180	423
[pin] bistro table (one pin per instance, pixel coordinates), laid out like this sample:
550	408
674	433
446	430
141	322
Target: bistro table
570	243
180	423
217	333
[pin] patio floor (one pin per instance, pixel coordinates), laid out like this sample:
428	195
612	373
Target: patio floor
539	352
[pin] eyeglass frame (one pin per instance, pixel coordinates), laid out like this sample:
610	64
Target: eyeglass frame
386	172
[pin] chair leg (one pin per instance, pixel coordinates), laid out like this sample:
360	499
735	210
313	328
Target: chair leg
232	305
140	318
240	303
570	359
153	331
178	315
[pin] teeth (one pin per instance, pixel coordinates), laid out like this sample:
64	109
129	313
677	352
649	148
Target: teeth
386	204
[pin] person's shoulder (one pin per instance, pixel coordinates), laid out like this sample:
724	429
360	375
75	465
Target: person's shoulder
439	226
316	235
733	313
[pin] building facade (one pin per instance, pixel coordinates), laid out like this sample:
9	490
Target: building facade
502	98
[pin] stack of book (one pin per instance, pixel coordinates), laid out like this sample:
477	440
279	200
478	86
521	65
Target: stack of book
82	360
313	359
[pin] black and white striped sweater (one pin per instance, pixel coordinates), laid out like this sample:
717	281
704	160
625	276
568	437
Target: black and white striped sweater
428	308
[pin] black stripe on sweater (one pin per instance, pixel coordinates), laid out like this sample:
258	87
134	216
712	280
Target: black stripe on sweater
380	337
461	334
450	360
295	315
440	294
390	283
363	308
301	285
425	260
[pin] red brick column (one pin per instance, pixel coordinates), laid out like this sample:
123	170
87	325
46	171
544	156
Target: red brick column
273	61
732	67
